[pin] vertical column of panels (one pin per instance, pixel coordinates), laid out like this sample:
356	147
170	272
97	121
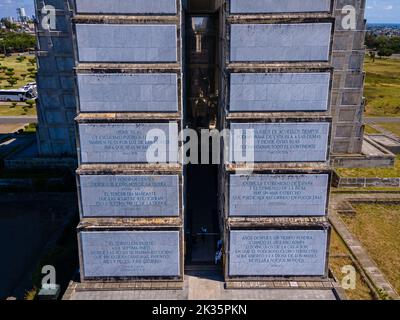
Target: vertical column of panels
129	89
277	91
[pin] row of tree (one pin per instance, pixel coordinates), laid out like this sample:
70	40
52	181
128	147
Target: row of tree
384	46
16	42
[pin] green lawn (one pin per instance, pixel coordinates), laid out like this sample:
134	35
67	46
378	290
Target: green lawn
393	127
377	227
21	109
382	87
340	257
371	172
23	77
20	69
370	130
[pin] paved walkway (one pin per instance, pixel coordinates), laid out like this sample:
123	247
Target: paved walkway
386	132
382	120
206	286
355	246
18	119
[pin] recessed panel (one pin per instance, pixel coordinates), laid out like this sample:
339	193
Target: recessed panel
156	92
280	6
278	195
126	6
129	195
279	142
278	253
280	42
126	43
128	142
279	92
130	254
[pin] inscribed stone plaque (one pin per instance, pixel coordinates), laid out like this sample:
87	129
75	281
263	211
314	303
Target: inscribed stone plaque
278	195
279	91
129	196
129	142
278	253
280	6
279	142
126	43
154	92
280	42
126	6
130	253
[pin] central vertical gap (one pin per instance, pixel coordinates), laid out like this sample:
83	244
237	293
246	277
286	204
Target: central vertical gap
202	228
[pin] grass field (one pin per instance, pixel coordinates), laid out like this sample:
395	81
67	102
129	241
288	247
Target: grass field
393	127
21	109
382	87
20	70
371	172
370	130
377	227
340	257
23	77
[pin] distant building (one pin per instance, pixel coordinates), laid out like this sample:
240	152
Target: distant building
22	17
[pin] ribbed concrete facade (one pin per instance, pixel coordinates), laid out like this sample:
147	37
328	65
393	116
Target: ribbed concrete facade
56	105
348	80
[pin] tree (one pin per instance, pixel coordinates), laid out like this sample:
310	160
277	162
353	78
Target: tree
385	52
32	61
372	55
30	103
12	81
21	58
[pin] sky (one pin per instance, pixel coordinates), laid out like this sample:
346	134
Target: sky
378	11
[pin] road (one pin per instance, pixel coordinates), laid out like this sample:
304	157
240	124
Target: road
22	119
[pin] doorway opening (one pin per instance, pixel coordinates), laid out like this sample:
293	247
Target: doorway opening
202	220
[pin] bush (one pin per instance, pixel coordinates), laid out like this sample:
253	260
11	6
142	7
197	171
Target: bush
13	105
12	81
31	69
30	103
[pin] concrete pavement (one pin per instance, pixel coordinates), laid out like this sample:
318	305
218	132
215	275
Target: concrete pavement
17	120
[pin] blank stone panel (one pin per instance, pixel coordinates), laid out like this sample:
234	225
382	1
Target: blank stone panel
278	195
279	142
129	142
280	6
128	92
129	195
126	6
126	43
278	253
279	91
280	42
130	254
